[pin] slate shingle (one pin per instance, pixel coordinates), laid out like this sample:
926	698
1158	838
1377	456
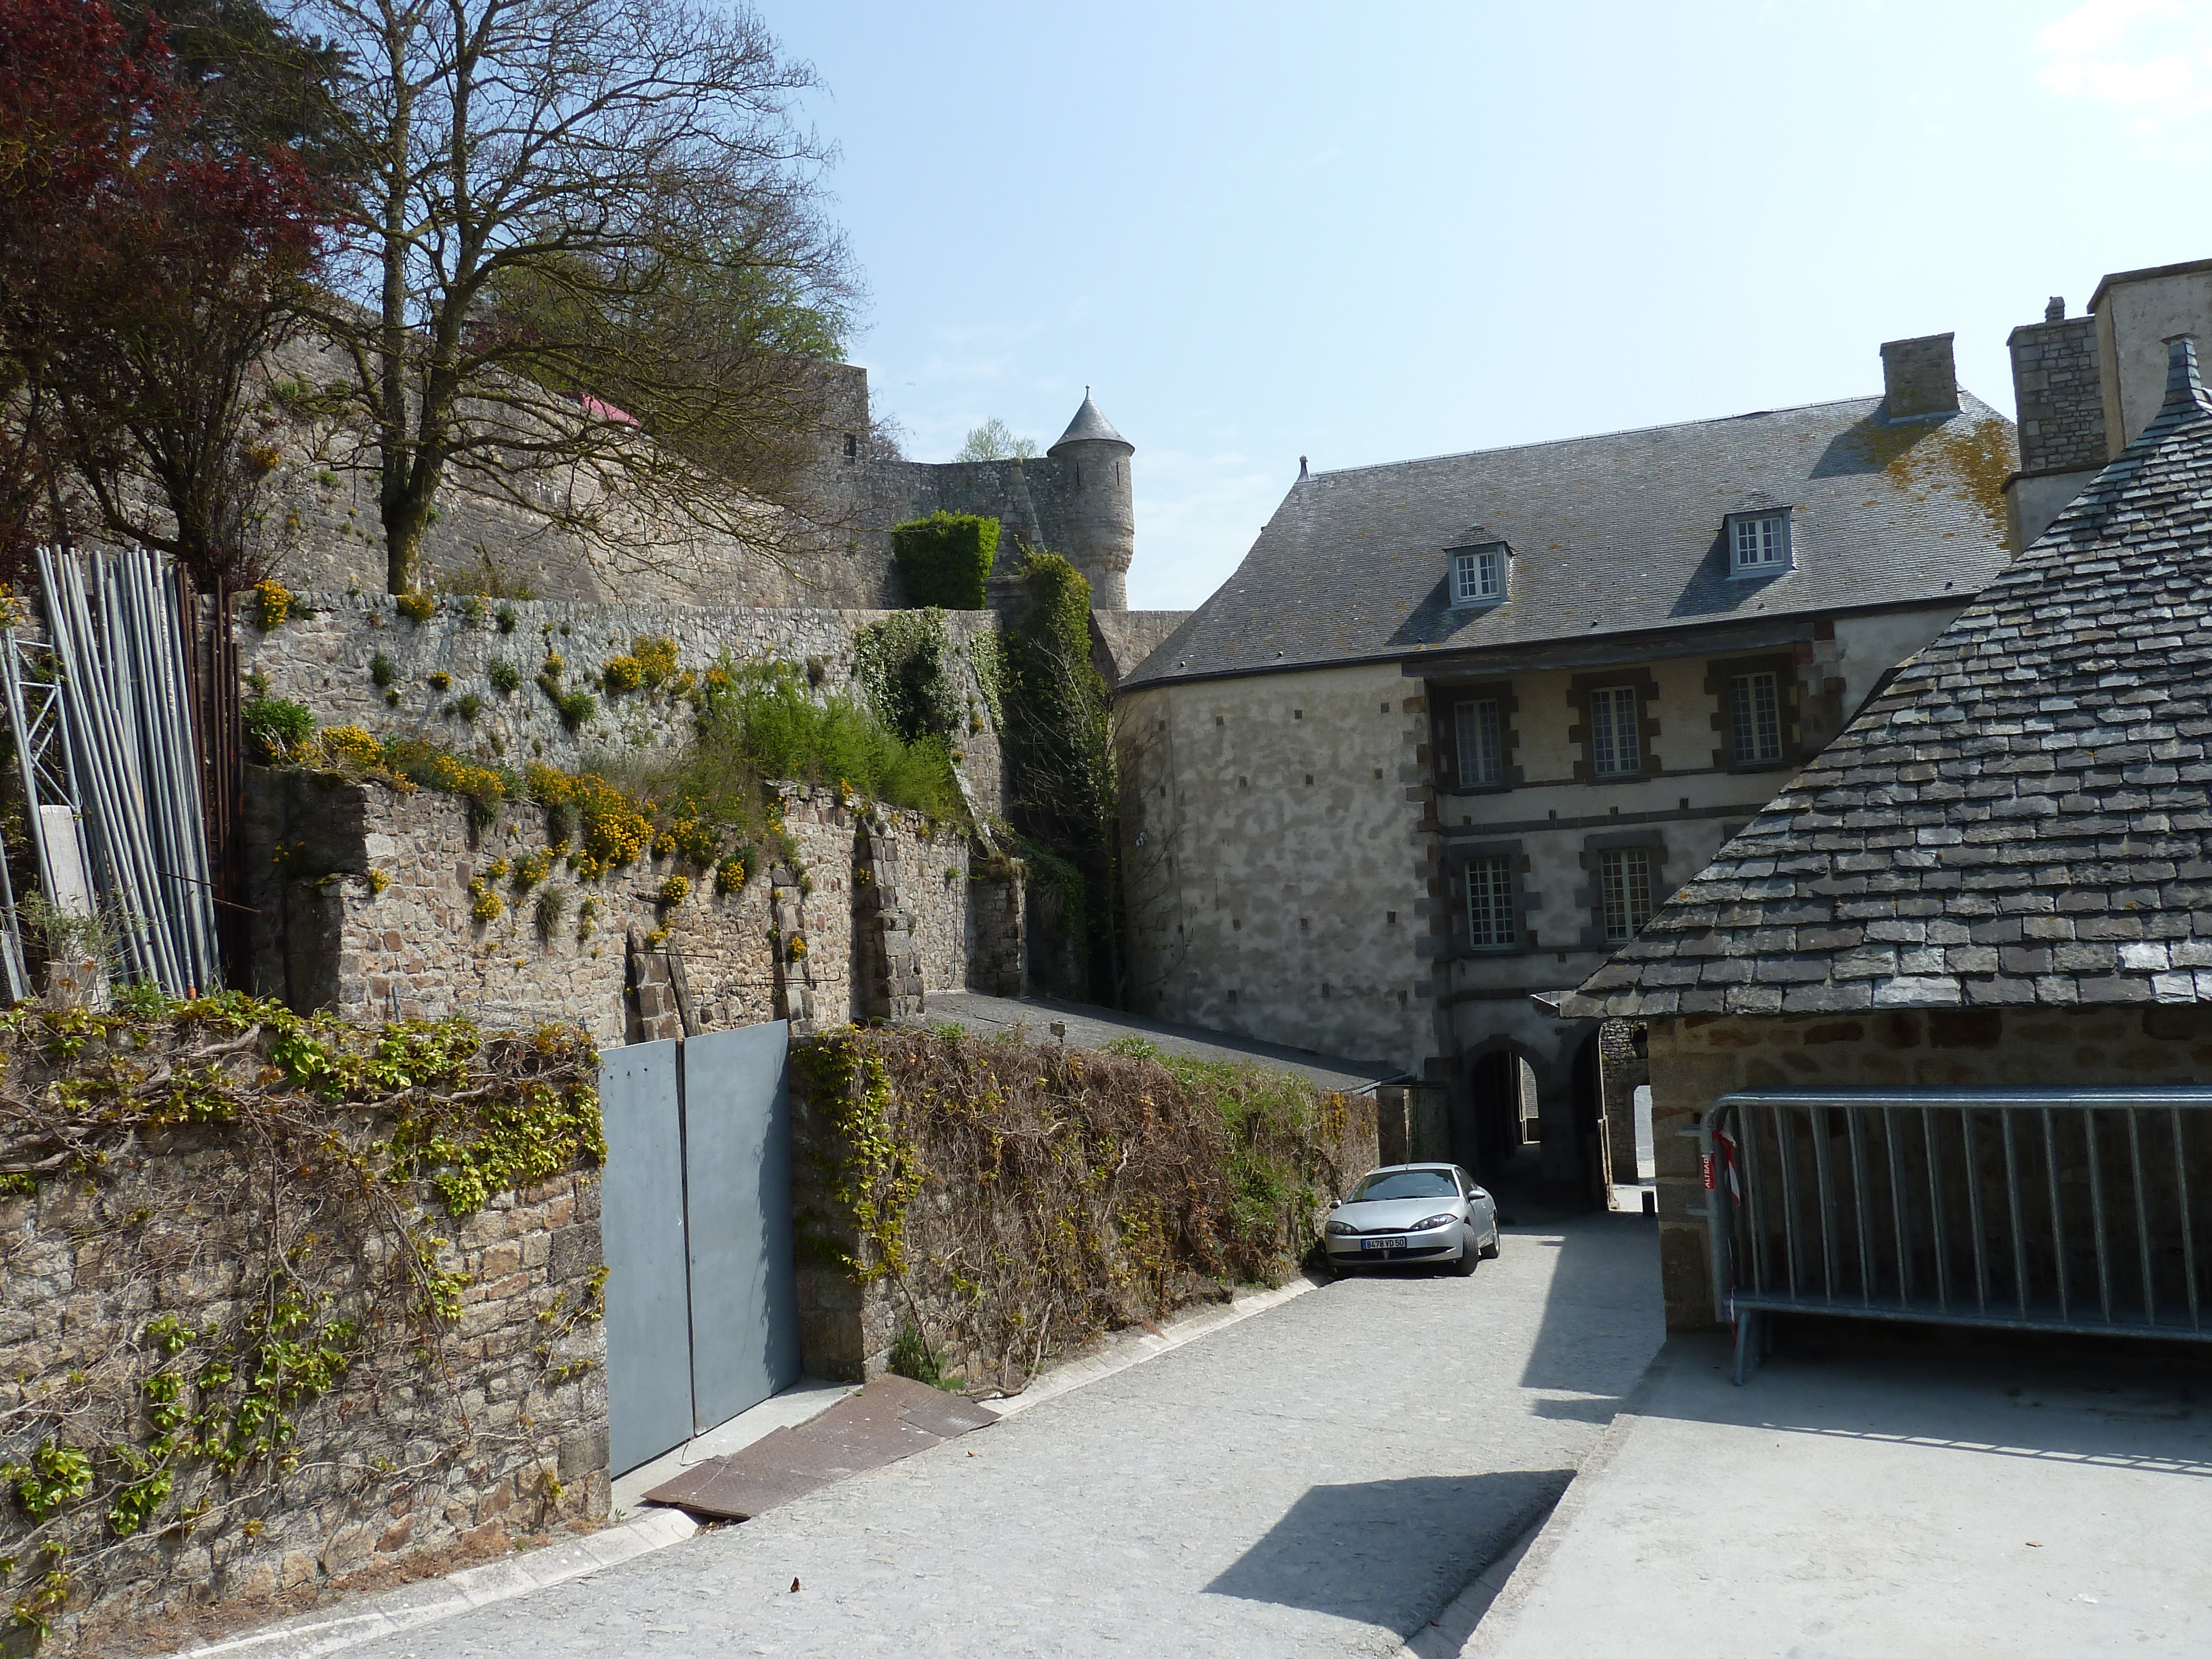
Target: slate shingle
2062	819
1617	533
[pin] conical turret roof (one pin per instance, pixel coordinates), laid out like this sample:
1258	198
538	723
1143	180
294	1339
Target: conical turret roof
1089	426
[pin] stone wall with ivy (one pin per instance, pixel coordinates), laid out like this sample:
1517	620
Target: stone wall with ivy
284	1306
514	681
971	1207
380	903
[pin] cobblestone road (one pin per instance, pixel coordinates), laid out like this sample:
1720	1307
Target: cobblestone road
1320	1479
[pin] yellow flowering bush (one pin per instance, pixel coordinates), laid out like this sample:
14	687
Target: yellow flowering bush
535	868
620	674
348	745
273	602
730	875
674	890
655	660
485	904
691	836
417	608
612	828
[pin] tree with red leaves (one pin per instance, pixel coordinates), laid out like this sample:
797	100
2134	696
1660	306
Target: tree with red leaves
146	271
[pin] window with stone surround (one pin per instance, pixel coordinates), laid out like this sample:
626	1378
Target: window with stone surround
1491	920
1481	744
1755	718
1615	745
1625	891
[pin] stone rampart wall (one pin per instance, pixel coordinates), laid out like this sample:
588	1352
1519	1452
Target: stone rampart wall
329	935
325	659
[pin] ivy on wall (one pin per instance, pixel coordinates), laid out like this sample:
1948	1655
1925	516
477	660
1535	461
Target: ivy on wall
944	559
1066	794
1020	1198
320	1170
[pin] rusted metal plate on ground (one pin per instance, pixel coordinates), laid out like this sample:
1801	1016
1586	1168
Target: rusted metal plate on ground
890	1419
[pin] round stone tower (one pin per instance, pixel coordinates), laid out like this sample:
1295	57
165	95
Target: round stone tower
1097	512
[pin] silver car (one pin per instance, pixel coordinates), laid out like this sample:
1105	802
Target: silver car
1413	1212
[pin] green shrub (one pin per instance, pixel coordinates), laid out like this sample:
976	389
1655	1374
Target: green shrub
383	670
944	559
902	663
764	725
576	708
506	678
276	729
913	1358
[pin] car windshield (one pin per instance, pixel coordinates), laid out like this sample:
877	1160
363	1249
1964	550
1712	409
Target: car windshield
1405	1184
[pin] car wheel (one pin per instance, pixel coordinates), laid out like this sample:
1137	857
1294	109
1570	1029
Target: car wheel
1465	1265
1490	1250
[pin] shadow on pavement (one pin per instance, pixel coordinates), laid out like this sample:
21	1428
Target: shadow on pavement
1603	1319
1391	1553
2112	1403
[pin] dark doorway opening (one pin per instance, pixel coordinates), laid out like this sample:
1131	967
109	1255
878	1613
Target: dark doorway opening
1489	1139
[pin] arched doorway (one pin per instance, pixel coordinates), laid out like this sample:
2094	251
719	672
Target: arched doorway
1495	1130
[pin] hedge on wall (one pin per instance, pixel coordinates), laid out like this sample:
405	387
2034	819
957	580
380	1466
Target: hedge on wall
944	559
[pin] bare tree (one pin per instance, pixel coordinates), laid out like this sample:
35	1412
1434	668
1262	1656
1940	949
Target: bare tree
994	440
592	273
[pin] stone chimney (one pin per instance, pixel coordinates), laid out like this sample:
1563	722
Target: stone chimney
1919	378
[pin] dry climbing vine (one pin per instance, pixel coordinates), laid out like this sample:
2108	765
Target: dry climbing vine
251	1214
1019	1198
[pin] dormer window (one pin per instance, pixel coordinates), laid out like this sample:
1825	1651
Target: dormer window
1758	543
1478	575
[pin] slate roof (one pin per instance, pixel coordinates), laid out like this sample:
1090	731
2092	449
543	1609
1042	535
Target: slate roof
2023	818
1089	425
1618	533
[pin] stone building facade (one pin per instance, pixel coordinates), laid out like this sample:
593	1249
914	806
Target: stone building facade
1456	725
1999	876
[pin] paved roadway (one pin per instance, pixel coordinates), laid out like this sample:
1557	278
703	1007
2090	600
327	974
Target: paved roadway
1322	1479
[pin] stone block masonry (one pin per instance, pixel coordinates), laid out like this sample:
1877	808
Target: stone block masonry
498	1430
326	661
2062	409
329	934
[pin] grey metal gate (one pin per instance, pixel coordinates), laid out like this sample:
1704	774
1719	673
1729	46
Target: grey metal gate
696	1216
649	1312
737	1182
2072	1209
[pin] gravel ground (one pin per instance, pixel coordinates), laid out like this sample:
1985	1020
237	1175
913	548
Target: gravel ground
1320	1479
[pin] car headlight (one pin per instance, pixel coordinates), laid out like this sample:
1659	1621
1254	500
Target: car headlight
1433	1222
1340	1227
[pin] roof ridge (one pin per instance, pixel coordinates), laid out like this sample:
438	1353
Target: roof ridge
1636	431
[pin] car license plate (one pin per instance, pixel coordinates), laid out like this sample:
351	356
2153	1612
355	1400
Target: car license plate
1382	1243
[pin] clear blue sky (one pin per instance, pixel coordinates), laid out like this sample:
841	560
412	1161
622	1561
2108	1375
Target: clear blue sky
1362	233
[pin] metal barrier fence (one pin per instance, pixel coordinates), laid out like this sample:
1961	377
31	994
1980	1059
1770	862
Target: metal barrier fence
2075	1209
